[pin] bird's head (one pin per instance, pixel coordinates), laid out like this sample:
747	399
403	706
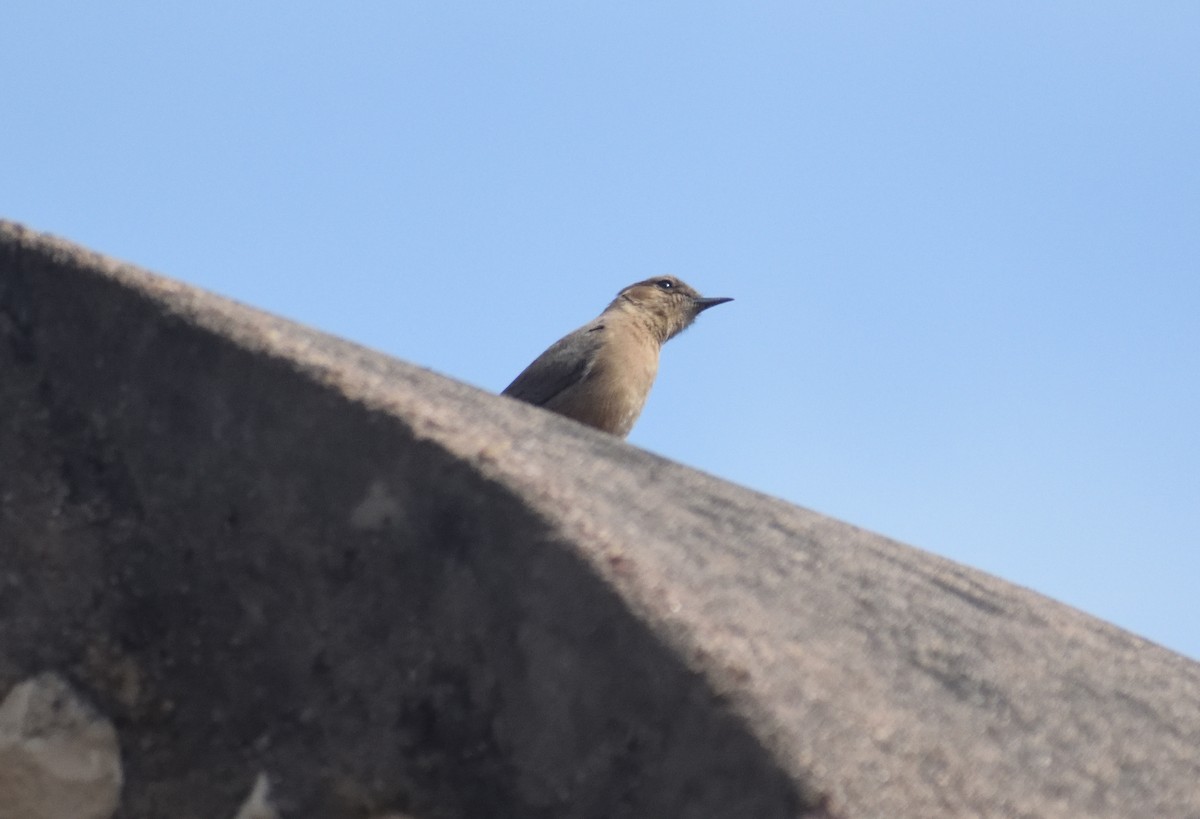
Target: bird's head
666	304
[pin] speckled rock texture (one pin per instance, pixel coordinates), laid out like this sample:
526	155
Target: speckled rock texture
59	759
264	552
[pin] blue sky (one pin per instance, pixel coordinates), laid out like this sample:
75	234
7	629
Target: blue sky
963	239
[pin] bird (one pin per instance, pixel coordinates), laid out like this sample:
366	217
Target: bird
601	374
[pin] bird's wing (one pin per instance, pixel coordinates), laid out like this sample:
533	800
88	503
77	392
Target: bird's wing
567	362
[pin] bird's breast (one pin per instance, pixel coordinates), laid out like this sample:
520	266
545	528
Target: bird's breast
612	394
623	376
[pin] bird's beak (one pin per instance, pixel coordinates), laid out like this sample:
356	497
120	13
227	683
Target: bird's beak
704	304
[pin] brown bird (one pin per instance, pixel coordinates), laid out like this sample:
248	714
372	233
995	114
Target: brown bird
601	374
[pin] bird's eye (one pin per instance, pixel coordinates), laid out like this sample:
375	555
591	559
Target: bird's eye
665	284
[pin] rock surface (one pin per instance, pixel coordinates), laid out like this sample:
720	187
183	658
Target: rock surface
260	548
58	758
258	804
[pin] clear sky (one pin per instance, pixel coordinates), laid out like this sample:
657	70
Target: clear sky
963	238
